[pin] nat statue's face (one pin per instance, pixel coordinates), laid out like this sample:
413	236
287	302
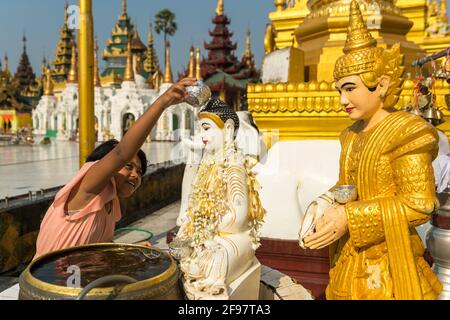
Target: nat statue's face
358	101
212	136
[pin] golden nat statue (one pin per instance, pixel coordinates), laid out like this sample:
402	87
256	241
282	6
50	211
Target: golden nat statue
386	154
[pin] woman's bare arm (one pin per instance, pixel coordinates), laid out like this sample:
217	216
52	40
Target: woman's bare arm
100	174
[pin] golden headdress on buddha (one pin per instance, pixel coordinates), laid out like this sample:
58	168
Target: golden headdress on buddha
362	57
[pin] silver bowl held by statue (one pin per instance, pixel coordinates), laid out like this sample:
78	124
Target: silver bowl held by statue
198	94
345	193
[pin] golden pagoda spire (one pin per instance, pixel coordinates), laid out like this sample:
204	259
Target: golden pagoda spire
66	13
24	40
43	66
48	87
191	62
97	81
443	12
73	73
168	77
248	54
124	7
198	74
6	68
150	34
129	72
219	8
358	37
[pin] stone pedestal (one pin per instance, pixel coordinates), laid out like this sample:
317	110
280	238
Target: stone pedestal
246	287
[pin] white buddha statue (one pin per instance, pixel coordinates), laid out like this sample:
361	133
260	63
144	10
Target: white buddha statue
224	215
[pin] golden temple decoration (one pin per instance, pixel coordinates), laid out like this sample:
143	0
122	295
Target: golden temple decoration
48	88
124	7
248	54
129	72
168	77
269	39
192	65
6	67
97	81
73	73
443	12
219	8
63	55
429	31
312	110
198	73
280	4
286	20
151	58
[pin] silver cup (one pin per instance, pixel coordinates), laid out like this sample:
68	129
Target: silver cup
345	193
180	249
198	94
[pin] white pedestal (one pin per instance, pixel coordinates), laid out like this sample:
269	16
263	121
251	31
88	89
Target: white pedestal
246	287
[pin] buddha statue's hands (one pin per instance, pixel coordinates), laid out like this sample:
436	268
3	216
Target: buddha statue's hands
329	228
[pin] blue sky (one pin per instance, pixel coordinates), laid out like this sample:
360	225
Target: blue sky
41	20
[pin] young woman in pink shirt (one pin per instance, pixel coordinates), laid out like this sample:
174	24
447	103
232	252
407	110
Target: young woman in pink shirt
87	208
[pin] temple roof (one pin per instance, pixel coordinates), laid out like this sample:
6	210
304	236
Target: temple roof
63	54
24	74
222	68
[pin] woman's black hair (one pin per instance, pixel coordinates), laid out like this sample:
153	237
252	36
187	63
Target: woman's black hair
106	147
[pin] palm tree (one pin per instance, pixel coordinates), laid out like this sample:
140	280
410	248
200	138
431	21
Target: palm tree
165	23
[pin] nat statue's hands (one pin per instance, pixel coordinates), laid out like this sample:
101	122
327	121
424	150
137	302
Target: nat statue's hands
329	228
177	92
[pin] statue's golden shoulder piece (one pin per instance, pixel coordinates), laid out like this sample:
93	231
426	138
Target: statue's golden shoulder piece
412	134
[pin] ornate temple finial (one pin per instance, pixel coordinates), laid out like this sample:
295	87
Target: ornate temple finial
150	34
219	8
124	7
97	81
73	73
6	68
443	12
24	40
191	62
66	13
358	37
168	77
198	74
432	8
248	54
43	65
48	87
280	4
129	72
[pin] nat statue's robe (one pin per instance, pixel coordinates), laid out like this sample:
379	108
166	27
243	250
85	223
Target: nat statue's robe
381	256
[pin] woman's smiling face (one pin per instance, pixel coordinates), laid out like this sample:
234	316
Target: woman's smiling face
129	178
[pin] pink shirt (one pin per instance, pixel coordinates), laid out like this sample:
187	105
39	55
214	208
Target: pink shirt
92	224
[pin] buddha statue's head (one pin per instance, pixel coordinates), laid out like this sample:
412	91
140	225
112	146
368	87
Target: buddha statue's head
368	78
219	125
